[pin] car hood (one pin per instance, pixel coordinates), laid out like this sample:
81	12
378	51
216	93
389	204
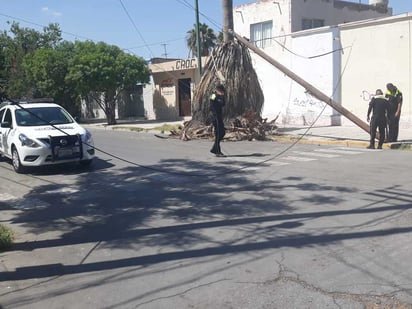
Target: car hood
57	130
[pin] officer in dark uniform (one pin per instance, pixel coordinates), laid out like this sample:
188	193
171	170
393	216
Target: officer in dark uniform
380	107
217	101
395	99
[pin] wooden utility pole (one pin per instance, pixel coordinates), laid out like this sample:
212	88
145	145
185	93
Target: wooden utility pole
310	88
199	55
227	6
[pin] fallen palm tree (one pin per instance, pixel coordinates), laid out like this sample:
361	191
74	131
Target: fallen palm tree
229	64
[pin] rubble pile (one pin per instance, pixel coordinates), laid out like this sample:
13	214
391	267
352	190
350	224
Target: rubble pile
248	127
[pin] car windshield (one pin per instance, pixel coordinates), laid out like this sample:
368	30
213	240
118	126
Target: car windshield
40	116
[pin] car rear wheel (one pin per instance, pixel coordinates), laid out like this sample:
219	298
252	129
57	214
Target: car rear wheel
18	168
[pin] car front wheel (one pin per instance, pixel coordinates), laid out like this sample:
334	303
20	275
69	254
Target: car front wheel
18	168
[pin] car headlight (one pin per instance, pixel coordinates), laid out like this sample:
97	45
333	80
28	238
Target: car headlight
87	138
28	142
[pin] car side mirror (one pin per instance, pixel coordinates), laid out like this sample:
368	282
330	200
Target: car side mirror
6	124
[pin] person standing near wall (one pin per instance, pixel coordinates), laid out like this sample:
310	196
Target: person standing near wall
395	99
379	106
217	102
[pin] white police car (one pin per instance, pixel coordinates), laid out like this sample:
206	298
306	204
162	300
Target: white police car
36	134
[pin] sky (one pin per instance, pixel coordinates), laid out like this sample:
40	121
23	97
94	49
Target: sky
148	29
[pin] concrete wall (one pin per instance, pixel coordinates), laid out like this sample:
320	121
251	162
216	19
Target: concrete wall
366	56
379	52
129	104
313	60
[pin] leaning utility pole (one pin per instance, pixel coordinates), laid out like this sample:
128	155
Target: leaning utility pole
310	88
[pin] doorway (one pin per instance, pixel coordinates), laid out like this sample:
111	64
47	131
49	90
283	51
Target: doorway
185	99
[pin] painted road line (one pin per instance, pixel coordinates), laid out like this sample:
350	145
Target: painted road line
354	149
299	159
261	162
340	151
315	154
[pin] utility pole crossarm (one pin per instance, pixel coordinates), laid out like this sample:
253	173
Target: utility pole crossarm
309	87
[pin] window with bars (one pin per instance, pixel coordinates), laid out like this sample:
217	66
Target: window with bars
261	34
309	23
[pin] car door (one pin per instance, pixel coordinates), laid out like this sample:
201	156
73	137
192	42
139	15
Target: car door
1	129
6	126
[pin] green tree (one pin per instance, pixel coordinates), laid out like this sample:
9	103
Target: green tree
104	71
3	79
16	44
207	39
46	70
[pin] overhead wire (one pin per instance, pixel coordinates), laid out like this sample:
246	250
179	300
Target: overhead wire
42	26
199	174
135	27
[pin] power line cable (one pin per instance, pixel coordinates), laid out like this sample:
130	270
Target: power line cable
191	174
135	27
43	26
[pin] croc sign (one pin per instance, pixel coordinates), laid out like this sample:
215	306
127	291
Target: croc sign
183	64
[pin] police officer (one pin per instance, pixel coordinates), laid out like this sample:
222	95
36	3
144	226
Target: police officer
380	107
217	101
395	99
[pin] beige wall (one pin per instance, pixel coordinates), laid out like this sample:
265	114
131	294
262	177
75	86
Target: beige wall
165	90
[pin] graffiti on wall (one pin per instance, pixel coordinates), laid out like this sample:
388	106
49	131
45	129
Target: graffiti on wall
366	95
308	102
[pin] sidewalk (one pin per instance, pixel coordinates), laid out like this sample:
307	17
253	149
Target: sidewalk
349	136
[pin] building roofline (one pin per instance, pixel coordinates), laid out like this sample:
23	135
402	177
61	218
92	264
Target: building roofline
362	6
356	24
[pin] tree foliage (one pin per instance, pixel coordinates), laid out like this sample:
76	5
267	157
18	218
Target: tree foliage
46	70
105	71
207	40
17	43
40	64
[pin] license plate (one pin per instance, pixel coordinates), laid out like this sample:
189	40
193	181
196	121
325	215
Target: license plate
65	152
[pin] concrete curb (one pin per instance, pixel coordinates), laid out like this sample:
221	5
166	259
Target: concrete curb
342	142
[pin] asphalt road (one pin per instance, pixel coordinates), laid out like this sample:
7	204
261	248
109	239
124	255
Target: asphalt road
161	223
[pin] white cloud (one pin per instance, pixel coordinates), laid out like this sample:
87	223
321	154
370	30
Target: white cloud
48	11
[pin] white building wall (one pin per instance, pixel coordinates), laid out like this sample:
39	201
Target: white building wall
315	61
368	54
261	11
148	91
283	97
287	15
378	52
